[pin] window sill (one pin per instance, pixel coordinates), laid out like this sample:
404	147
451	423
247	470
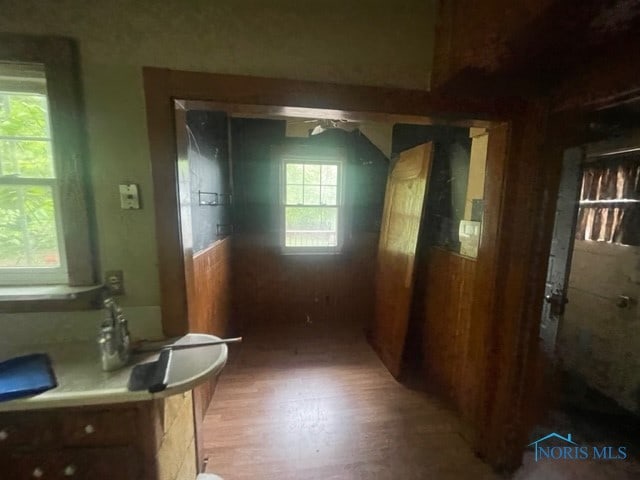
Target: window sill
310	253
42	298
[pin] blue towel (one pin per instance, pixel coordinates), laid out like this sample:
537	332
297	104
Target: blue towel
26	375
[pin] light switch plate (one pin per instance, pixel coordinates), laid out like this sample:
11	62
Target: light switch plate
129	196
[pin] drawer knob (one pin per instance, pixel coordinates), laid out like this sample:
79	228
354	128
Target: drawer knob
69	471
88	429
37	472
3	435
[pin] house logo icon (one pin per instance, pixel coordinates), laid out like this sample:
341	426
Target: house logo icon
556	447
541	449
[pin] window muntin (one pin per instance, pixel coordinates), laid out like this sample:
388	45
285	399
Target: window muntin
31	241
312	202
610	201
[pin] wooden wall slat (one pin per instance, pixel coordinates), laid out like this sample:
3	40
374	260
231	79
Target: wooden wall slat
211	308
272	290
446	320
208	281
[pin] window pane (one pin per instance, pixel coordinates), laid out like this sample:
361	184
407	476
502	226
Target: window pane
311	195
294	173
294	195
25	148
23	115
311	227
329	174
312	174
28	236
26	158
329	195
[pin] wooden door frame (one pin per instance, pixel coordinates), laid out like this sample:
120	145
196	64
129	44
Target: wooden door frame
269	96
506	308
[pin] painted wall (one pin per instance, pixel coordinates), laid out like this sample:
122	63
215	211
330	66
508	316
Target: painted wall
380	134
448	178
208	149
477	167
374	42
597	340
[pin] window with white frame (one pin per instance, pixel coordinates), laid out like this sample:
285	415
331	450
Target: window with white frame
312	204
45	203
31	243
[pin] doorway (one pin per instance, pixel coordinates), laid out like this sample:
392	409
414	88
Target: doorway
590	308
509	175
304	248
307	307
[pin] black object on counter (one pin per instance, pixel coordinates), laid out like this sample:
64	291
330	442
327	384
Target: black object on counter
151	376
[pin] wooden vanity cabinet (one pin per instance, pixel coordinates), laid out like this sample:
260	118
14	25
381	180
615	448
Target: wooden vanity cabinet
130	441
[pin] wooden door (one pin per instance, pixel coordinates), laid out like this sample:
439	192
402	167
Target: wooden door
401	217
561	249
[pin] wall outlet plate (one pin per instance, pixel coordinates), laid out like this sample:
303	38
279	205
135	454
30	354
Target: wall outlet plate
129	196
114	281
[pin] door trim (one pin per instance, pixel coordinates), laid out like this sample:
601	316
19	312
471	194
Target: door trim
269	95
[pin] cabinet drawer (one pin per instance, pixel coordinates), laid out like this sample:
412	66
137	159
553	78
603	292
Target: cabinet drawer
85	464
66	428
97	428
31	430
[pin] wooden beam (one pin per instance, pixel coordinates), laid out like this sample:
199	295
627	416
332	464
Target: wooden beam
354	99
606	80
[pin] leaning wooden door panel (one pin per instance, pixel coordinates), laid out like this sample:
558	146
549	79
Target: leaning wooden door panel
403	206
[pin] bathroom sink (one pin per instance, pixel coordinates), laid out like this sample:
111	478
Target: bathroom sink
81	380
191	366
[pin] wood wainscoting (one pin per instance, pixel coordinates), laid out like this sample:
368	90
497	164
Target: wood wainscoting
273	290
446	318
210	299
208	281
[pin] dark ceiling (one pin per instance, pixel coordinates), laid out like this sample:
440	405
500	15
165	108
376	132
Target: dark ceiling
563	38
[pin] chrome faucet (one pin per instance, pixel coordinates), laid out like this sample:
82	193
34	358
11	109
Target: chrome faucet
114	340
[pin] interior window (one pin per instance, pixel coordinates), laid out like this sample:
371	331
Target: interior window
312	205
610	202
31	240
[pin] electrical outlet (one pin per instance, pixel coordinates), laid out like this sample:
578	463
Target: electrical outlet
114	281
129	196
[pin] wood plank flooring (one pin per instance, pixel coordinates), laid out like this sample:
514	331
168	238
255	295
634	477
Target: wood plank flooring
306	402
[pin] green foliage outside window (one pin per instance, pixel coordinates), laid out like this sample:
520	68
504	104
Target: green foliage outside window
28	235
311	211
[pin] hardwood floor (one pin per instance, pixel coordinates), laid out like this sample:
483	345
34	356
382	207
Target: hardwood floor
310	401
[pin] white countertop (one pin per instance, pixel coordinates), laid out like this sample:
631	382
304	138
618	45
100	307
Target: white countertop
81	381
